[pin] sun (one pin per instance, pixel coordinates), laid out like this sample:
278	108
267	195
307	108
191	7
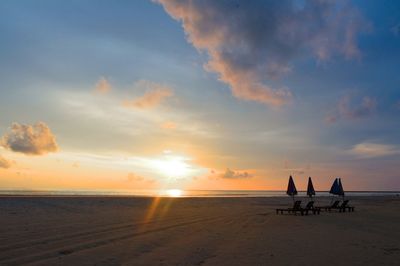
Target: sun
173	167
174	193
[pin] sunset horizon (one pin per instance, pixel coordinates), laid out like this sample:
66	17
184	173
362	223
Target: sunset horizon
199	132
125	103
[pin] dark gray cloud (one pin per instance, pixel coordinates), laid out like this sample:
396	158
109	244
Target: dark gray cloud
251	42
34	139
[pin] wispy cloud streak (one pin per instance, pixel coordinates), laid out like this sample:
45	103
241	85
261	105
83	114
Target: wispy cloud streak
103	86
155	95
371	150
347	108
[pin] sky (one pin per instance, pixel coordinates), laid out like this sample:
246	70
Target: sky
150	95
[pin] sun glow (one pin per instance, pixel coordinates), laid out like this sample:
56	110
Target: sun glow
173	167
174	193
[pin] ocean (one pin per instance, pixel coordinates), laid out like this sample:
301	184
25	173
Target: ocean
182	193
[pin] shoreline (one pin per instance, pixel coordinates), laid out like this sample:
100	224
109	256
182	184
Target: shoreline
200	197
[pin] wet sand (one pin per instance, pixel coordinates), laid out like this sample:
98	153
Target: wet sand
194	231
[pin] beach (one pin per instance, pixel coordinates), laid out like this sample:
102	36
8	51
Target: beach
107	230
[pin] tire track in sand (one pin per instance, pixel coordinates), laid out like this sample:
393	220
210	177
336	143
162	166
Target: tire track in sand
94	243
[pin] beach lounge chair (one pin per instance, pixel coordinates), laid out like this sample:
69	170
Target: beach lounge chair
344	206
296	208
337	206
310	207
334	205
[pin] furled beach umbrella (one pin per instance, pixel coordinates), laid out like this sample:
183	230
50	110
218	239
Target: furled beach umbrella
310	188
340	190
335	187
291	189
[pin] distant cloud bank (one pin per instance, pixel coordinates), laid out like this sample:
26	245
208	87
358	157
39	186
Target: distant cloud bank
34	139
251	42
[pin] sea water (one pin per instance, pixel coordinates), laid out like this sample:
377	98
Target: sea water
184	193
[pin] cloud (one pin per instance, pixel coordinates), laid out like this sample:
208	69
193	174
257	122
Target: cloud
4	163
133	177
168	125
155	94
229	174
365	108
349	109
287	166
34	139
370	150
251	42
103	86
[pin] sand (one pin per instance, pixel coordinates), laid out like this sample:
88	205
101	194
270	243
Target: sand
194	231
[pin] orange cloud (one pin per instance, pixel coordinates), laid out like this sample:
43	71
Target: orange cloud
155	94
168	125
34	139
133	177
103	86
230	174
4	163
